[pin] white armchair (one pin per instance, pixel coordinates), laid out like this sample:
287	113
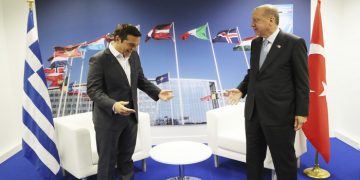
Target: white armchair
77	145
226	135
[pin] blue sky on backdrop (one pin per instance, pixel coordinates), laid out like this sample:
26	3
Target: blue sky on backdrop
67	22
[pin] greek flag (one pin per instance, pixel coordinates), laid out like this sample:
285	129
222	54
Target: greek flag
39	137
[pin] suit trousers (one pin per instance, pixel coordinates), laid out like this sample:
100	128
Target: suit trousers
280	140
117	148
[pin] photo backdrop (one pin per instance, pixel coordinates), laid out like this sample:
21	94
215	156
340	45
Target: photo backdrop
69	22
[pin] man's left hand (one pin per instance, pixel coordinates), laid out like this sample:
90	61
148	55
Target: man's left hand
299	122
165	95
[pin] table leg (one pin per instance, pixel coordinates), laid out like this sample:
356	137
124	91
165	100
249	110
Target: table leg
181	172
182	175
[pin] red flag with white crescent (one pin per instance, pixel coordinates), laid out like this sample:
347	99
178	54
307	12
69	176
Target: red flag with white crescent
317	127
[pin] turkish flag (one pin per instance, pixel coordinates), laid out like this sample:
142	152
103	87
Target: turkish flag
317	127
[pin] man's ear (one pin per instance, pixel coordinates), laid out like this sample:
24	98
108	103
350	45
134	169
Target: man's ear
272	19
117	38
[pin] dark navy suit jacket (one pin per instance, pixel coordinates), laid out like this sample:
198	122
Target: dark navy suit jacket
107	83
280	89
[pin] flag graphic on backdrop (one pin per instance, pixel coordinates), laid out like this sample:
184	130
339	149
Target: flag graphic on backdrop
68	51
39	137
245	44
317	127
96	45
57	61
163	78
199	33
55	76
56	79
228	36
59	69
159	32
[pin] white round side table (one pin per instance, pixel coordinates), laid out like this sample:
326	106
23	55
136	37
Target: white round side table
180	153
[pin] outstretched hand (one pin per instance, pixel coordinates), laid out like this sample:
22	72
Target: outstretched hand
121	109
166	95
234	96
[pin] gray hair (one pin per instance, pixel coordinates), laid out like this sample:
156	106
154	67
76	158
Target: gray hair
269	11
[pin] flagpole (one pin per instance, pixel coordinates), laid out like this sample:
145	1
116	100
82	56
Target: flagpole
157	112
66	91
316	172
80	80
62	92
178	77
216	66
138	51
72	93
171	103
89	105
206	92
138	48
243	49
68	69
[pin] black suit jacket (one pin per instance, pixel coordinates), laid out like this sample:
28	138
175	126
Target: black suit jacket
280	89
107	83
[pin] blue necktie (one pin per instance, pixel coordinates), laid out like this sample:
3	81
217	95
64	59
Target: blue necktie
264	52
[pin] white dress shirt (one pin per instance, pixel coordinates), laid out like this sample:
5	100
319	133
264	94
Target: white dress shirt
271	39
124	62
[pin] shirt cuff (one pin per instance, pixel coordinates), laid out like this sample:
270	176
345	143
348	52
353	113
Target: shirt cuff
113	108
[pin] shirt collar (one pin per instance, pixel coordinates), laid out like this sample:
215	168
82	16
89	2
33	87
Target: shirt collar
272	37
115	52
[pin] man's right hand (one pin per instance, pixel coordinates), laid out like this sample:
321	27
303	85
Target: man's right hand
234	96
120	108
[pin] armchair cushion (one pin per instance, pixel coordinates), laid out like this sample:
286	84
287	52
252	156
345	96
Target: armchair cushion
226	134
76	143
233	141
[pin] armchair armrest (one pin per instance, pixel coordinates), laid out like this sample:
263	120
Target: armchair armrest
143	141
74	145
212	130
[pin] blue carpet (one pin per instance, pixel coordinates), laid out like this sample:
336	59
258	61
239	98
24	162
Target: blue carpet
344	165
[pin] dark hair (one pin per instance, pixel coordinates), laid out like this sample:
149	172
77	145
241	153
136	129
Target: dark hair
123	30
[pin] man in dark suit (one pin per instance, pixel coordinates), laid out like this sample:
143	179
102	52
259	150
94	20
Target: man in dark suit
277	89
114	76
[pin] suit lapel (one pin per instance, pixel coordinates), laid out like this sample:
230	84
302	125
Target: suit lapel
274	51
116	64
132	68
256	54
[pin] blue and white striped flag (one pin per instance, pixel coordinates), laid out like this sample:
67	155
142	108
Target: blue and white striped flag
39	137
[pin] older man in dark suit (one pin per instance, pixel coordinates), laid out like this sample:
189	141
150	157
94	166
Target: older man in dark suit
114	76
277	88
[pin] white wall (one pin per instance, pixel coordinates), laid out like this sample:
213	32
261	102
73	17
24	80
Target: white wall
349	125
13	18
342	38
